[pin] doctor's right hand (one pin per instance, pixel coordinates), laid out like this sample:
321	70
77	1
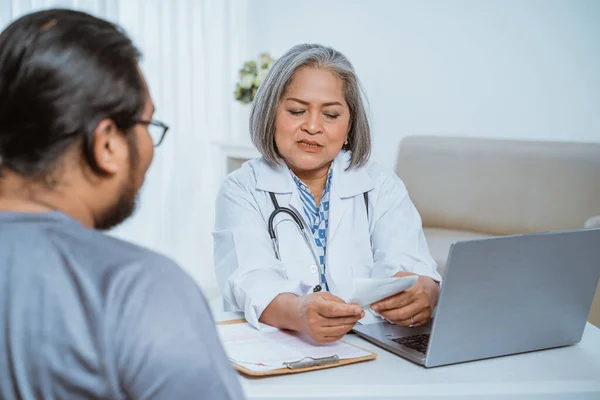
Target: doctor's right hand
325	317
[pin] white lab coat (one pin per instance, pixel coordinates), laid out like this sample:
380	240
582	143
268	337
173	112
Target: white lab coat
249	274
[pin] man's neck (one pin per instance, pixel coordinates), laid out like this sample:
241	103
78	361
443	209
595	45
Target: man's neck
18	194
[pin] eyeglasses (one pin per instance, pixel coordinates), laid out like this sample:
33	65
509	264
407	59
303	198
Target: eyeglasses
157	130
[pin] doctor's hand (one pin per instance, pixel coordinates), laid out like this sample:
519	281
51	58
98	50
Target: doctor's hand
325	317
412	307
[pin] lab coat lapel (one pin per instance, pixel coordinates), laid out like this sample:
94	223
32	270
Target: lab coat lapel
345	186
338	206
296	203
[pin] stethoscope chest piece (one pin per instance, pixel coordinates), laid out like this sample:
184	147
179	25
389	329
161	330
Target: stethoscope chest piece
317	289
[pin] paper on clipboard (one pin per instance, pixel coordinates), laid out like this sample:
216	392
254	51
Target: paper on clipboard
271	349
370	290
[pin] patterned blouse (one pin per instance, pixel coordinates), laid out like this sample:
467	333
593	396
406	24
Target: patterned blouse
317	217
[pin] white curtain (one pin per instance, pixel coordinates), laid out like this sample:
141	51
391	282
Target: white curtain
191	50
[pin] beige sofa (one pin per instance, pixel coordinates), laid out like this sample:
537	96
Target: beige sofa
468	188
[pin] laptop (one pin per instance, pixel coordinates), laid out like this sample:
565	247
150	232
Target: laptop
503	295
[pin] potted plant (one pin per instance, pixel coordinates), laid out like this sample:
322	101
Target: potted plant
251	76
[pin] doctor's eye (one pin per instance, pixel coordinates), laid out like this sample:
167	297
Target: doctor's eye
296	113
331	116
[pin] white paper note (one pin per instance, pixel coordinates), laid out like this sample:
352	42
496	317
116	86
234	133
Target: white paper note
371	317
268	349
370	290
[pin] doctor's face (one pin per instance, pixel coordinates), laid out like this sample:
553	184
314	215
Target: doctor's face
312	120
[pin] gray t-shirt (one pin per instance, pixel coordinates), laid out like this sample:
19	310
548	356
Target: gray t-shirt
85	315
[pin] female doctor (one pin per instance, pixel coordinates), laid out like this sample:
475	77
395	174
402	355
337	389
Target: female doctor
296	226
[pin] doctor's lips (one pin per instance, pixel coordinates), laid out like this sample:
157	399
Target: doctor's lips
309	145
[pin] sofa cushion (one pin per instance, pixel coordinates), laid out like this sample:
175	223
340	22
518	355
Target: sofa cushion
439	241
501	186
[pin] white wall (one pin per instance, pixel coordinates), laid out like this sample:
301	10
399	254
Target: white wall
496	68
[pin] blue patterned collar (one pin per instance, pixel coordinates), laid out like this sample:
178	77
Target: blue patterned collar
303	187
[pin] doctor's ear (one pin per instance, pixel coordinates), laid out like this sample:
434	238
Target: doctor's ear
348	134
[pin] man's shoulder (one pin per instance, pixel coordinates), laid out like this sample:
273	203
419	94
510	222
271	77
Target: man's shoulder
120	247
137	260
109	257
115	249
134	272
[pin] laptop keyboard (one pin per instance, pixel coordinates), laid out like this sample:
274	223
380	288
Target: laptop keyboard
416	342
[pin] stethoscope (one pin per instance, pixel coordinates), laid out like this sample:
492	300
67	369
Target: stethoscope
278	209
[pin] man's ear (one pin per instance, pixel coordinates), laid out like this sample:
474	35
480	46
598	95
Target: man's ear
110	147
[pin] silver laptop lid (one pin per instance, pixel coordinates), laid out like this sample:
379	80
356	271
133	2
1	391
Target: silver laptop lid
515	294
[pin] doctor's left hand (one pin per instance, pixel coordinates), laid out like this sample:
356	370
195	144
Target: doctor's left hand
412	307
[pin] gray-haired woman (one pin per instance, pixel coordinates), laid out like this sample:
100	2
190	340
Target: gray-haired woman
295	227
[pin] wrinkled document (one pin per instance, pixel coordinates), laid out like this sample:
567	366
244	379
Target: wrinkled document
370	290
270	348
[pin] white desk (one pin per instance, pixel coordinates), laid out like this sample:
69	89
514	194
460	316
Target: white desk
565	373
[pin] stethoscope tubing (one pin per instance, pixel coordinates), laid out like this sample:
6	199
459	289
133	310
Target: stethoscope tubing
298	222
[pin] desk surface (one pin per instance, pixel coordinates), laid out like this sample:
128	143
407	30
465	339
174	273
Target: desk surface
571	372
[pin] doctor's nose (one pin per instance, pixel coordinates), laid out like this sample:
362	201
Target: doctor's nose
312	124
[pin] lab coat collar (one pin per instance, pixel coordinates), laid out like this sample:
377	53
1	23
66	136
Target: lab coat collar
274	178
349	182
345	183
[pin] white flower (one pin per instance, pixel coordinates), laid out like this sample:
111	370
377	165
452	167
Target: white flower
260	77
265	60
246	81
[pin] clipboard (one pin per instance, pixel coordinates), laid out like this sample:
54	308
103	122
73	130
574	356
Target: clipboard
303	365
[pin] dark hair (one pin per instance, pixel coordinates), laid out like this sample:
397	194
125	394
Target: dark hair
61	73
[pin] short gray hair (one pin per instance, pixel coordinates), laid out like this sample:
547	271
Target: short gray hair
266	102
